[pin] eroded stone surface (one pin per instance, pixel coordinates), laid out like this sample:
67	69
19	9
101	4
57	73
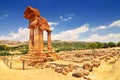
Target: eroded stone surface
37	24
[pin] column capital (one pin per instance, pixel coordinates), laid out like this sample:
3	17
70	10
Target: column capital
41	30
48	30
31	27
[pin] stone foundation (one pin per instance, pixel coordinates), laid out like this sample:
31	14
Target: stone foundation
34	58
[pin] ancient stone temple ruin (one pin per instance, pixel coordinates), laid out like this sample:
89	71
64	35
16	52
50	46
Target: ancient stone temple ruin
38	24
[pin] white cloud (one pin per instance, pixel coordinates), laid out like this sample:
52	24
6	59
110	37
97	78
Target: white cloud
115	24
4	16
99	28
61	17
21	35
71	34
53	23
104	38
66	19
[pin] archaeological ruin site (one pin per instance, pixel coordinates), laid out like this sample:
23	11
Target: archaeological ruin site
37	64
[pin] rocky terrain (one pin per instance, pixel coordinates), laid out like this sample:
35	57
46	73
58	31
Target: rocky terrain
98	64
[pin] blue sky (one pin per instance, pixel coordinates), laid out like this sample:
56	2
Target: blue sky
71	20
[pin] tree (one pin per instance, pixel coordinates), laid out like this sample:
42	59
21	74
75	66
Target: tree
5	53
99	45
112	44
105	45
4	47
92	45
24	51
118	44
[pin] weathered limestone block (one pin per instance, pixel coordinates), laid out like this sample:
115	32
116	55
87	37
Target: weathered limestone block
96	62
88	66
87	78
86	72
77	74
107	59
80	73
112	60
71	67
47	65
64	72
58	69
66	69
53	66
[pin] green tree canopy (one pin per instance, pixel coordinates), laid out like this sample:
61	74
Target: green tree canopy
105	45
92	45
112	44
118	44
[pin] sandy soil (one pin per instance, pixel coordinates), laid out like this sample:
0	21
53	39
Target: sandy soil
6	73
105	71
114	73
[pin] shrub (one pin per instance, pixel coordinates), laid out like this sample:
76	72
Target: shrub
24	51
5	53
118	44
112	44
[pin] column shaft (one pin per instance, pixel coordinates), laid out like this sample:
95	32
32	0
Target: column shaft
36	40
49	41
41	40
31	40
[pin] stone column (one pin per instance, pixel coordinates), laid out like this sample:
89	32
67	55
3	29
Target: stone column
49	41
41	40
36	40
31	40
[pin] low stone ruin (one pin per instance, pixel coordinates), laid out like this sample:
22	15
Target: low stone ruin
96	62
38	58
80	73
88	66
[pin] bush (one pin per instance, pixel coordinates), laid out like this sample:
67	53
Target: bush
105	45
24	51
112	44
4	47
5	53
118	44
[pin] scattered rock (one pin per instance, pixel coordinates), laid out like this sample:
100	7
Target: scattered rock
37	65
88	66
71	67
58	69
64	72
96	62
47	65
77	74
80	73
112	61
53	66
86	72
87	78
67	69
107	59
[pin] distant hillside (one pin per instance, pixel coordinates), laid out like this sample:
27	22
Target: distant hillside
9	42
